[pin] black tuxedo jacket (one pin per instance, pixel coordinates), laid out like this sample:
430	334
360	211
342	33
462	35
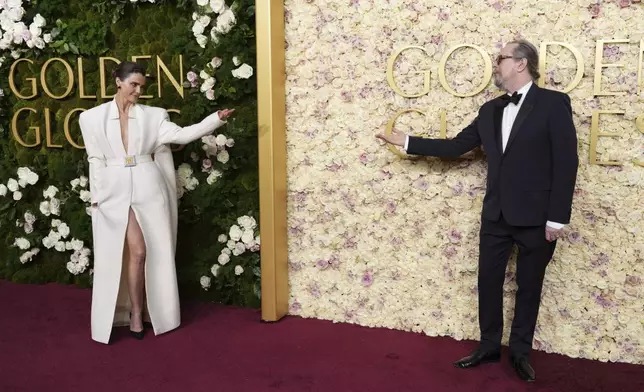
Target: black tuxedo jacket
534	179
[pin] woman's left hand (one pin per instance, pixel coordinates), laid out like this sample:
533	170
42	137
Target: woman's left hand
224	114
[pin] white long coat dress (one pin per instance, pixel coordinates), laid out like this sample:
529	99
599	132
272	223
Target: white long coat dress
119	181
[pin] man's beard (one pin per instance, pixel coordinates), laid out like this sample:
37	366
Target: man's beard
498	82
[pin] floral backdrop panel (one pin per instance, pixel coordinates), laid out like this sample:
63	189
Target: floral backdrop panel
384	240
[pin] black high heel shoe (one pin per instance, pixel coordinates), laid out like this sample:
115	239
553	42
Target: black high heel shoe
137	335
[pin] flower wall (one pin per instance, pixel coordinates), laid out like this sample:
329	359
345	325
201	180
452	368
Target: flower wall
385	241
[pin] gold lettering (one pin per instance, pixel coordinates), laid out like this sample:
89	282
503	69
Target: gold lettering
101	62
48	131
147	75
68	135
14	128
599	53
390	74
639	123
12	84
81	80
595	135
70	78
390	128
161	66
578	58
487	72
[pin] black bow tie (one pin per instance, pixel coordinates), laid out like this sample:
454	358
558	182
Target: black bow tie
514	98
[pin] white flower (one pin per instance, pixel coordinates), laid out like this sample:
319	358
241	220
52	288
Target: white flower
3	190
48	242
22	243
223	156
205	282
54	206
202	40
215	270
47	37
75	183
50	192
210	94
208	84
213	36
248	237
212	178
239	270
22	182
230	143
231	244
220	140
247	222
245	71
45	208
225	21
28	255
12	185
235	233
17	195
257	240
223	259
198	28
227	250
239	249
85	196
56	222
222	238
216	62
60	246
83	181
236	61
202	2
30	218
76	244
217	5
204	75
39	21
39	43
63	229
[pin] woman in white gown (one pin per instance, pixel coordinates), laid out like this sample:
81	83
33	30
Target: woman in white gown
134	207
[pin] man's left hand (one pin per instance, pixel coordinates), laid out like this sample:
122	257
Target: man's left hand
553	234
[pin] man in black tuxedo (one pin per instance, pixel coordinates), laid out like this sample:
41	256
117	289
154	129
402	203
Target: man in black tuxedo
531	146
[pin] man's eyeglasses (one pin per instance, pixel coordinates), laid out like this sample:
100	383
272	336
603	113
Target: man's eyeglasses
500	58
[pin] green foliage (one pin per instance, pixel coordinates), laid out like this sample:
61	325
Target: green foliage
162	29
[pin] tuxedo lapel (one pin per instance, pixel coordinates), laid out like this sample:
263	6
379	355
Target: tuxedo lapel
526	108
498	119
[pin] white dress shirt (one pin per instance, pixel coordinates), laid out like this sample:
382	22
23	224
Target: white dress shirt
509	115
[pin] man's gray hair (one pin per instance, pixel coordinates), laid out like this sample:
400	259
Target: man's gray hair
526	50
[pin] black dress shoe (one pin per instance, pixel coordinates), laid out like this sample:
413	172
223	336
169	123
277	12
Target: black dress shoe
478	357
523	368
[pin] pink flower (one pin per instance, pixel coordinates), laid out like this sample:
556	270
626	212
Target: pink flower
210	94
192	77
624	3
367	279
206	164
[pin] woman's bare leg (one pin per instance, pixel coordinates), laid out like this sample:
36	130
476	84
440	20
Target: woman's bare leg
135	245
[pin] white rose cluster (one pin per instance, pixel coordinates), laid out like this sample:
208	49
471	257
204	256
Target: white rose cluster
207	28
79	260
28	224
185	180
207	75
79	186
15	34
25	177
241	237
50	206
215	146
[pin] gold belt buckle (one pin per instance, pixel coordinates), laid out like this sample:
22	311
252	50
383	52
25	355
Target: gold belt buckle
130	161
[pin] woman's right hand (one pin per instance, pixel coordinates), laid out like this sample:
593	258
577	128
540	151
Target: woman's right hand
224	114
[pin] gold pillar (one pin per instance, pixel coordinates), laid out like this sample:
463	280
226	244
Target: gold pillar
271	102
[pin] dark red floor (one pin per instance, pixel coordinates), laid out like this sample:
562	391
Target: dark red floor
45	346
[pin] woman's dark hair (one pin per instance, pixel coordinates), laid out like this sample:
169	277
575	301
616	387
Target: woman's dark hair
127	68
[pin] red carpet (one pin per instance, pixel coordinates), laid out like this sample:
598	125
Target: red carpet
45	346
